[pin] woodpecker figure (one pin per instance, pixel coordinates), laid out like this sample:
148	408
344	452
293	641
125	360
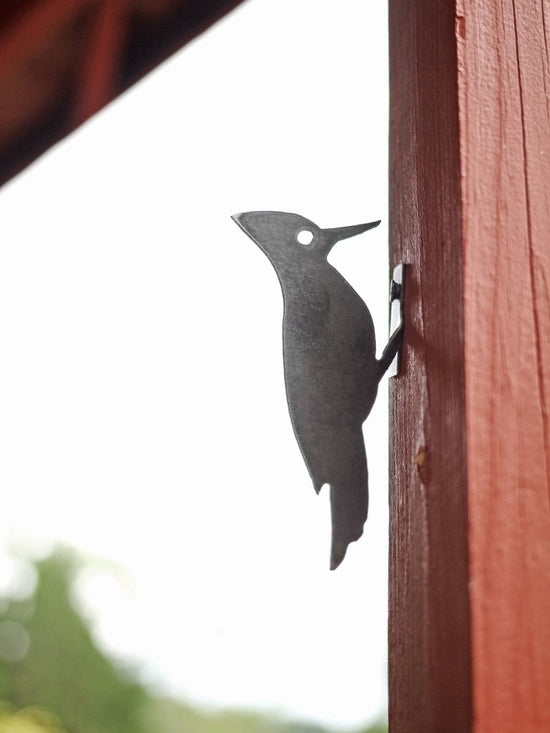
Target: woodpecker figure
331	369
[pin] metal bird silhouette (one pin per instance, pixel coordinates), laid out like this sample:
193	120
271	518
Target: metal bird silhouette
330	364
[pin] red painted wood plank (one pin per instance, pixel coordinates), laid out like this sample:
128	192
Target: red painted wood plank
505	141
429	634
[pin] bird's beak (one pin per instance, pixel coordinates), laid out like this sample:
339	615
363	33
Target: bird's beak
331	236
335	235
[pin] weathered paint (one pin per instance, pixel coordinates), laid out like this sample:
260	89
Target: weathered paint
470	516
504	84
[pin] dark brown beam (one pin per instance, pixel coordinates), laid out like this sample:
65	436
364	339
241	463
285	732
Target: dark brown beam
23	37
49	83
97	84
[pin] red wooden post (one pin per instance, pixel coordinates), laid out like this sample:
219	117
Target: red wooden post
470	516
429	663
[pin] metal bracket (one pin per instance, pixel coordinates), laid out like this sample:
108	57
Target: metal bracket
397	312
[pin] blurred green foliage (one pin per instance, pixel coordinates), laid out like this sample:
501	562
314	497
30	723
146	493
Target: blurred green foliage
63	670
28	720
55	679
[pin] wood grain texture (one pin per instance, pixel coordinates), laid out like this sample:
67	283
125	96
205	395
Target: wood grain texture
505	160
429	634
470	506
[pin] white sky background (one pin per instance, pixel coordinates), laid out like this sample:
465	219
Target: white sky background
142	409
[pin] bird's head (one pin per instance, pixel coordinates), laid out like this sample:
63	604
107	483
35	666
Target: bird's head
286	237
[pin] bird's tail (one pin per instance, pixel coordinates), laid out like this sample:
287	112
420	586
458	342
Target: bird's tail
349	496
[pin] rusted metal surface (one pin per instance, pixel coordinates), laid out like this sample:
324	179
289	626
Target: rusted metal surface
63	60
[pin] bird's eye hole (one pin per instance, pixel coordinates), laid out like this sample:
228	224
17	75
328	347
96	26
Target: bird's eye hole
305	237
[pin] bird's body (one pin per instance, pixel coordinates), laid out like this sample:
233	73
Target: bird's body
328	346
331	370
